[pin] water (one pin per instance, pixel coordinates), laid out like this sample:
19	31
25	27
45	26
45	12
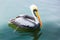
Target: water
49	11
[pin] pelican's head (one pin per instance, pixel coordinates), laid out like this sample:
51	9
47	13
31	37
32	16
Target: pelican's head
34	10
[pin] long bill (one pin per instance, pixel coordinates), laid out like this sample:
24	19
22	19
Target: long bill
39	19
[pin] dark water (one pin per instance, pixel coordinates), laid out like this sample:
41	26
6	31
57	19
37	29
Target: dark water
49	11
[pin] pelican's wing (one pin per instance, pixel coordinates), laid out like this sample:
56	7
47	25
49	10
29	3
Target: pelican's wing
22	21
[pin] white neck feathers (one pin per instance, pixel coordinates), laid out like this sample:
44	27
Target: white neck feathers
32	7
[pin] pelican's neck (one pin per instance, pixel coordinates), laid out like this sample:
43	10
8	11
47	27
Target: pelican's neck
36	20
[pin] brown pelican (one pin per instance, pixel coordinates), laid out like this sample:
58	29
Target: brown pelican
26	21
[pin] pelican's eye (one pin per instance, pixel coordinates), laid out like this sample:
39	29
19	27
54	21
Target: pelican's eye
34	11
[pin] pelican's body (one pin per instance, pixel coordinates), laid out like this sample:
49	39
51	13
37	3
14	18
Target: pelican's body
26	21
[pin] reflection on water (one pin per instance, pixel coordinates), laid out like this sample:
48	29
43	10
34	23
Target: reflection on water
27	32
35	34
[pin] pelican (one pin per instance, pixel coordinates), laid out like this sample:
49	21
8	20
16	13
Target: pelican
26	21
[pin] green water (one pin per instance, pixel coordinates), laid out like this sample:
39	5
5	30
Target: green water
50	14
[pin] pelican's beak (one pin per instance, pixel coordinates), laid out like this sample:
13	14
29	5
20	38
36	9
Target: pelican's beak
39	19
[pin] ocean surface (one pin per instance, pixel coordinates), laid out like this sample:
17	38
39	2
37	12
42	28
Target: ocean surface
49	11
